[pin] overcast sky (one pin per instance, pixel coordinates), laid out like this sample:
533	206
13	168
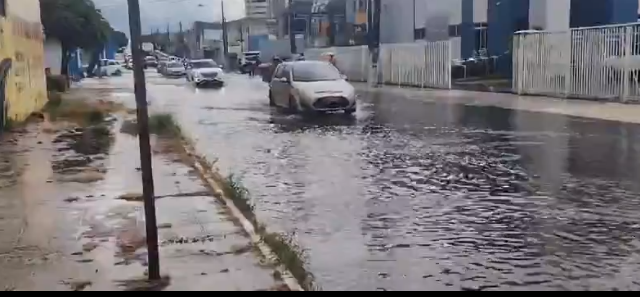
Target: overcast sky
156	14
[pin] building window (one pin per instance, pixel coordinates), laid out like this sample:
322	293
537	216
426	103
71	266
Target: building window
3	7
480	34
454	31
419	34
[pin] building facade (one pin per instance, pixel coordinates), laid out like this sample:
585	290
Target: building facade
22	78
487	26
204	41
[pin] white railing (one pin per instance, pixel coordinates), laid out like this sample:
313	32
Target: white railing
422	64
593	63
353	61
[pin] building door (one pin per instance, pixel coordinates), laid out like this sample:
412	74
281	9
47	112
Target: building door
5	66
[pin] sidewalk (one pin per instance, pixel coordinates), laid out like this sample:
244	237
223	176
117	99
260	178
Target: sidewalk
570	107
65	226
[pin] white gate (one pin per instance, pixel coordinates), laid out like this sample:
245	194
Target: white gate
594	63
353	61
421	64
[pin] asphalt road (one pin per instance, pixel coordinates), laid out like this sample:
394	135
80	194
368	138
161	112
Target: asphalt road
413	195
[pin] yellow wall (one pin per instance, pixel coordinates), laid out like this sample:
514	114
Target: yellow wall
21	41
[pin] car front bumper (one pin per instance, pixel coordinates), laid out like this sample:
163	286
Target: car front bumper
329	104
175	74
209	82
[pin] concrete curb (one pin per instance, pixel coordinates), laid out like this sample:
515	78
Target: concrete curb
213	178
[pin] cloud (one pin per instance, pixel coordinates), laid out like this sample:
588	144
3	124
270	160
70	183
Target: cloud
157	14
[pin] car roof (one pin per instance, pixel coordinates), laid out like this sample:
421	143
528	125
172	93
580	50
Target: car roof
292	63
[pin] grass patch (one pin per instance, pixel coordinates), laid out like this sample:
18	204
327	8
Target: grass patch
234	189
164	124
289	253
80	111
291	256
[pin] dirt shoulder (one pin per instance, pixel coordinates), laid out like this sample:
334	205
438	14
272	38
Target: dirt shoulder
70	217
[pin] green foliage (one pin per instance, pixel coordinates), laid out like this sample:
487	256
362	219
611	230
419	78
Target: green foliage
76	23
120	39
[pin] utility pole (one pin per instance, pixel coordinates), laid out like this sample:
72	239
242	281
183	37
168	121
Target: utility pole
292	36
140	90
374	36
225	37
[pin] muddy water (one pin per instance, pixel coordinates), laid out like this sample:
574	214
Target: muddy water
413	195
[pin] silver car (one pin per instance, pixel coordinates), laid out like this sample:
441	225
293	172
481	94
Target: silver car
311	86
205	73
174	69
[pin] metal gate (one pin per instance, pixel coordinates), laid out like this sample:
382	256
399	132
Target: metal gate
421	64
353	61
5	66
593	62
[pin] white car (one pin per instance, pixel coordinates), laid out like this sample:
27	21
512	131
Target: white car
173	69
205	73
314	86
110	68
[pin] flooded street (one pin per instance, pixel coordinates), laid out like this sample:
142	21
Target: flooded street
415	195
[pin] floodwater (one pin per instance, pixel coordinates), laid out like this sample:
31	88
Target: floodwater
413	195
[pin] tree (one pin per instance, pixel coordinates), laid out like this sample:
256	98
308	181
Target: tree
121	40
76	24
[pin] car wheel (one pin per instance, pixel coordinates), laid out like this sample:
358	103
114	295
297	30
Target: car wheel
271	101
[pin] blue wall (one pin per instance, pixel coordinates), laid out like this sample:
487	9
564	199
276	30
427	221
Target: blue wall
467	30
255	40
505	17
585	13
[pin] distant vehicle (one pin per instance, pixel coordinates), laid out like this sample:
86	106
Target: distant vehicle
147	47
204	73
150	61
109	68
314	86
161	66
248	60
174	69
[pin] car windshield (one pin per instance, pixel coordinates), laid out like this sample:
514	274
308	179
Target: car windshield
315	71
175	65
203	64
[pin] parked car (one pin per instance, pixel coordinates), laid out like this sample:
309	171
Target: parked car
109	68
314	86
204	73
161	66
150	61
174	69
248	60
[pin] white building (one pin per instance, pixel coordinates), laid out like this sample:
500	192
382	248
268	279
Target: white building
258	9
264	9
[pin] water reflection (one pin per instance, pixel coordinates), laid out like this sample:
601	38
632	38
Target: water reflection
501	199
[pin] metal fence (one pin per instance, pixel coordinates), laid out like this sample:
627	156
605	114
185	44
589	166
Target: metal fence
353	61
592	63
423	64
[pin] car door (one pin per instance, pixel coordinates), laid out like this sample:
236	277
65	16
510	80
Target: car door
277	85
286	85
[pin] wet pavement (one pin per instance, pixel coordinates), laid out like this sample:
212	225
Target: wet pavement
428	194
71	219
